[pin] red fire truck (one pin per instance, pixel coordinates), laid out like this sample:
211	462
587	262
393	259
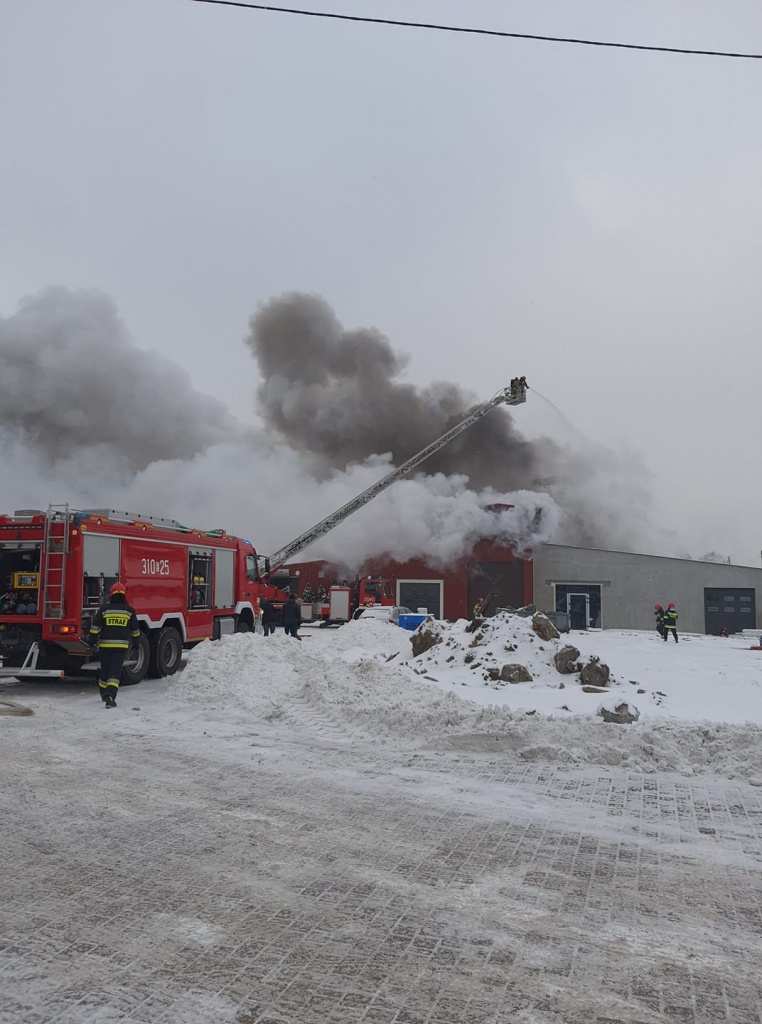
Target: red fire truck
344	600
56	568
341	600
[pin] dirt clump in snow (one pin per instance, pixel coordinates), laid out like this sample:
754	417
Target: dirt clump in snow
424	638
11	708
515	674
621	713
595	673
543	627
565	660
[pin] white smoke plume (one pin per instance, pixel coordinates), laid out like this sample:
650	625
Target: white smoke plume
89	418
72	379
439	517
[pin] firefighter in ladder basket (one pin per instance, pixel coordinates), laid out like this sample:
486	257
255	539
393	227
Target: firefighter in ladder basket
114	629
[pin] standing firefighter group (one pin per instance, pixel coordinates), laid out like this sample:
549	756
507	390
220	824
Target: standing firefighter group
292	616
666	621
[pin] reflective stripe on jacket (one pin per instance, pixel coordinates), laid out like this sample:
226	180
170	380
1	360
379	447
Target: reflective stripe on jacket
116	625
670	618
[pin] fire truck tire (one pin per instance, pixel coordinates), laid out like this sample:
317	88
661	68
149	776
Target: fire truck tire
166	652
136	663
243	626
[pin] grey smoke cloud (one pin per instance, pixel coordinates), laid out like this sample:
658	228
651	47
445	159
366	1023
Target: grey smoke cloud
88	417
334	393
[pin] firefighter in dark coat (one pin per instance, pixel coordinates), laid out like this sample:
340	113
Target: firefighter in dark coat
292	617
670	622
659	613
113	630
267	611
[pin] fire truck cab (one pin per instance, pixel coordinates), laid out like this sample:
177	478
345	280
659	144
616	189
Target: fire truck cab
372	590
56	568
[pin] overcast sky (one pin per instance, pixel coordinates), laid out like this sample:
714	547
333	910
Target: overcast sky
589	217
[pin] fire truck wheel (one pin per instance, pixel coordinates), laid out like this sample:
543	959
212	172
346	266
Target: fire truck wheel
243	626
136	663
166	652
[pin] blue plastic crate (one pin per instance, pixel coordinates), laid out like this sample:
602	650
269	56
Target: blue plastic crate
412	622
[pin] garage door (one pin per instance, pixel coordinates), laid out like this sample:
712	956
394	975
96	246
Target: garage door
731	608
415	594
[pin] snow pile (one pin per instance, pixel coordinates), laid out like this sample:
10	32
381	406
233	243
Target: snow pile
343	694
362	684
465	654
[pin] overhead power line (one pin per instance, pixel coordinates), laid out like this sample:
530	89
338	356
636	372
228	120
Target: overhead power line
481	31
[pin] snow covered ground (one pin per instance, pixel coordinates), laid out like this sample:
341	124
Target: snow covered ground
700	700
334	832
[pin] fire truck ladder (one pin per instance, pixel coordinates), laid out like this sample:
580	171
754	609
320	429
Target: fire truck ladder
516	394
55	547
117	516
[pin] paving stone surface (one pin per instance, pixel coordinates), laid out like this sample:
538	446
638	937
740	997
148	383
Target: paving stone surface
221	871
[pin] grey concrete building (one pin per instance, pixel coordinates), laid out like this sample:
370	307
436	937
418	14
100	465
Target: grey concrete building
618	590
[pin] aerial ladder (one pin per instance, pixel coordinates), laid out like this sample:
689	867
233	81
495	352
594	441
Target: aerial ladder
515	394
